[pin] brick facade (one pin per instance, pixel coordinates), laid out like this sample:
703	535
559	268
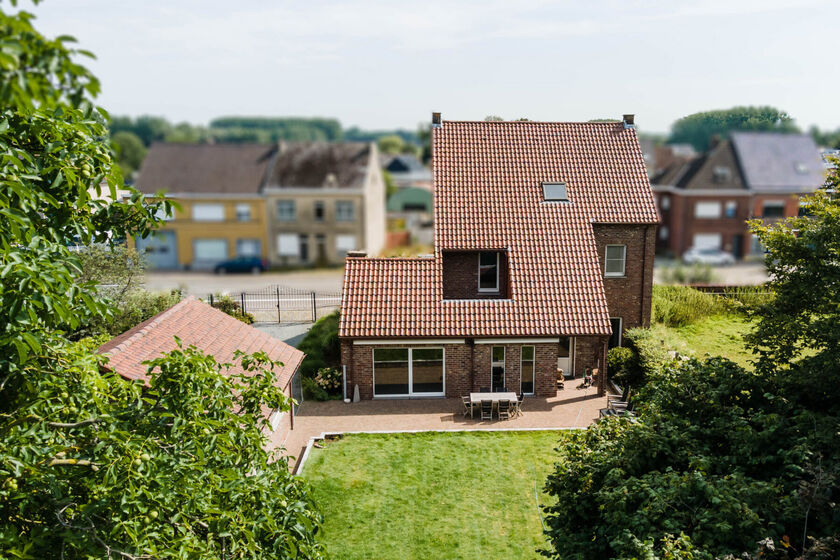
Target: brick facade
460	276
467	365
629	296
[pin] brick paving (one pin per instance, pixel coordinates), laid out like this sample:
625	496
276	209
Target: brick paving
569	408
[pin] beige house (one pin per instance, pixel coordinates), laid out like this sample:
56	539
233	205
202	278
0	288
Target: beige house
323	200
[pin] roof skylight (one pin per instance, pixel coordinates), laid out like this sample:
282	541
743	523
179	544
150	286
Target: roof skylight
555	192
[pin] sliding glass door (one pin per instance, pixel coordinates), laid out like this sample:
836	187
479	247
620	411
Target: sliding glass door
405	372
527	370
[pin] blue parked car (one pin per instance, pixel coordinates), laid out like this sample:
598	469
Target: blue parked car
254	265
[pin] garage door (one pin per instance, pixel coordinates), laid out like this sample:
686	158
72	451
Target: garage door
707	241
159	250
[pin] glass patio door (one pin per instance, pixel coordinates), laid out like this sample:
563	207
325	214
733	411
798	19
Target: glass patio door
497	369
406	372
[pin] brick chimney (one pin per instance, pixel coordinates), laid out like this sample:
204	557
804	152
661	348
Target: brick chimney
436	120
629	121
356	254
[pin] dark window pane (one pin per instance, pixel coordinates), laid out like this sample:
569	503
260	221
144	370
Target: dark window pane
390	371
390	354
565	346
498	353
615	338
427	370
527	352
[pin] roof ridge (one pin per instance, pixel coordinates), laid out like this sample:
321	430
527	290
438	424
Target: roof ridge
144	327
611	123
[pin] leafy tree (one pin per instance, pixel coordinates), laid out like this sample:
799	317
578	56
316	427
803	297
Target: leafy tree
699	128
390	186
827	139
91	465
148	128
493	118
321	346
391	144
130	151
187	133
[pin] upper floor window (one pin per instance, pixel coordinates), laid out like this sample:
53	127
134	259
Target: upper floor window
286	210
731	209
208	212
721	174
243	212
344	211
319	211
773	209
344	243
488	272
707	209
614	260
555	192
665	202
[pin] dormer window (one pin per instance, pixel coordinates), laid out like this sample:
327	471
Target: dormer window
721	174
488	272
555	192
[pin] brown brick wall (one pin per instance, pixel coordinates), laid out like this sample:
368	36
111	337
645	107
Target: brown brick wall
459	358
629	297
460	276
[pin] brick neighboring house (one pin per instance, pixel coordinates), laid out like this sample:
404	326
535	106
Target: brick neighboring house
214	333
705	203
544	242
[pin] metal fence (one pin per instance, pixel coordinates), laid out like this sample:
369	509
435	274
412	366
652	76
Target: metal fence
281	304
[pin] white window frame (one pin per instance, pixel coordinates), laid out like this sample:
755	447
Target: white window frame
708	209
498	265
282	216
533	369
197	241
620	329
242	209
410	393
340	216
205	206
561	188
607	260
775	204
292	250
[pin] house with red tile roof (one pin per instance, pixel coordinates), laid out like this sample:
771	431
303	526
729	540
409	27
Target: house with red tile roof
213	332
543	256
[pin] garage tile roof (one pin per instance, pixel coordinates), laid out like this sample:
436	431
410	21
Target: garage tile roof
208	329
488	195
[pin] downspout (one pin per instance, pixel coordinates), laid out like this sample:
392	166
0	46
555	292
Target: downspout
344	382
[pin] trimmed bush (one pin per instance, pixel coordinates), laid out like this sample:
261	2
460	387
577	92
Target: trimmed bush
135	307
226	304
321	346
694	274
677	306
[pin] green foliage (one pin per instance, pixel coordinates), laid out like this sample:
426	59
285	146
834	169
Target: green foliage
265	129
130	151
391	144
233	308
148	128
696	273
390	187
329	381
826	139
802	262
699	128
93	465
410	139
717	453
321	346
312	391
640	359
678	306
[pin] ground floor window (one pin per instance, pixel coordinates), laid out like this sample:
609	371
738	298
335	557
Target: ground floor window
497	368
615	338
527	370
210	250
408	371
248	248
707	241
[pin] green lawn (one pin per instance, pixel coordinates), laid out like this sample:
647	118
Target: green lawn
432	495
720	335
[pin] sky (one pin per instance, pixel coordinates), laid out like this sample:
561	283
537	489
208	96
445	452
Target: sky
389	64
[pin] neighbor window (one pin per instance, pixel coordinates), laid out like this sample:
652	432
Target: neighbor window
287	244
663	233
319	211
344	243
488	272
248	247
773	209
731	209
721	174
344	211
665	202
243	212
707	210
555	192
614	260
208	212
210	250
286	210
615	338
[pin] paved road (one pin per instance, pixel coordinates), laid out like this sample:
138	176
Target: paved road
203	283
743	274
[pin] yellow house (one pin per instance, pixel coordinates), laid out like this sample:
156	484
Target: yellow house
222	211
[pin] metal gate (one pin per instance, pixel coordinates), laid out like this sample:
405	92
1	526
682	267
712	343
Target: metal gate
281	304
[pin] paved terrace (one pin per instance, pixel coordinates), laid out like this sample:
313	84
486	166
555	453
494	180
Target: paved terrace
570	408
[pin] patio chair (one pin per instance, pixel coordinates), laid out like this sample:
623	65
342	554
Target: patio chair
468	406
517	405
486	410
504	409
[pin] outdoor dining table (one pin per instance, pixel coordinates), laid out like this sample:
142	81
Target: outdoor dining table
476	398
